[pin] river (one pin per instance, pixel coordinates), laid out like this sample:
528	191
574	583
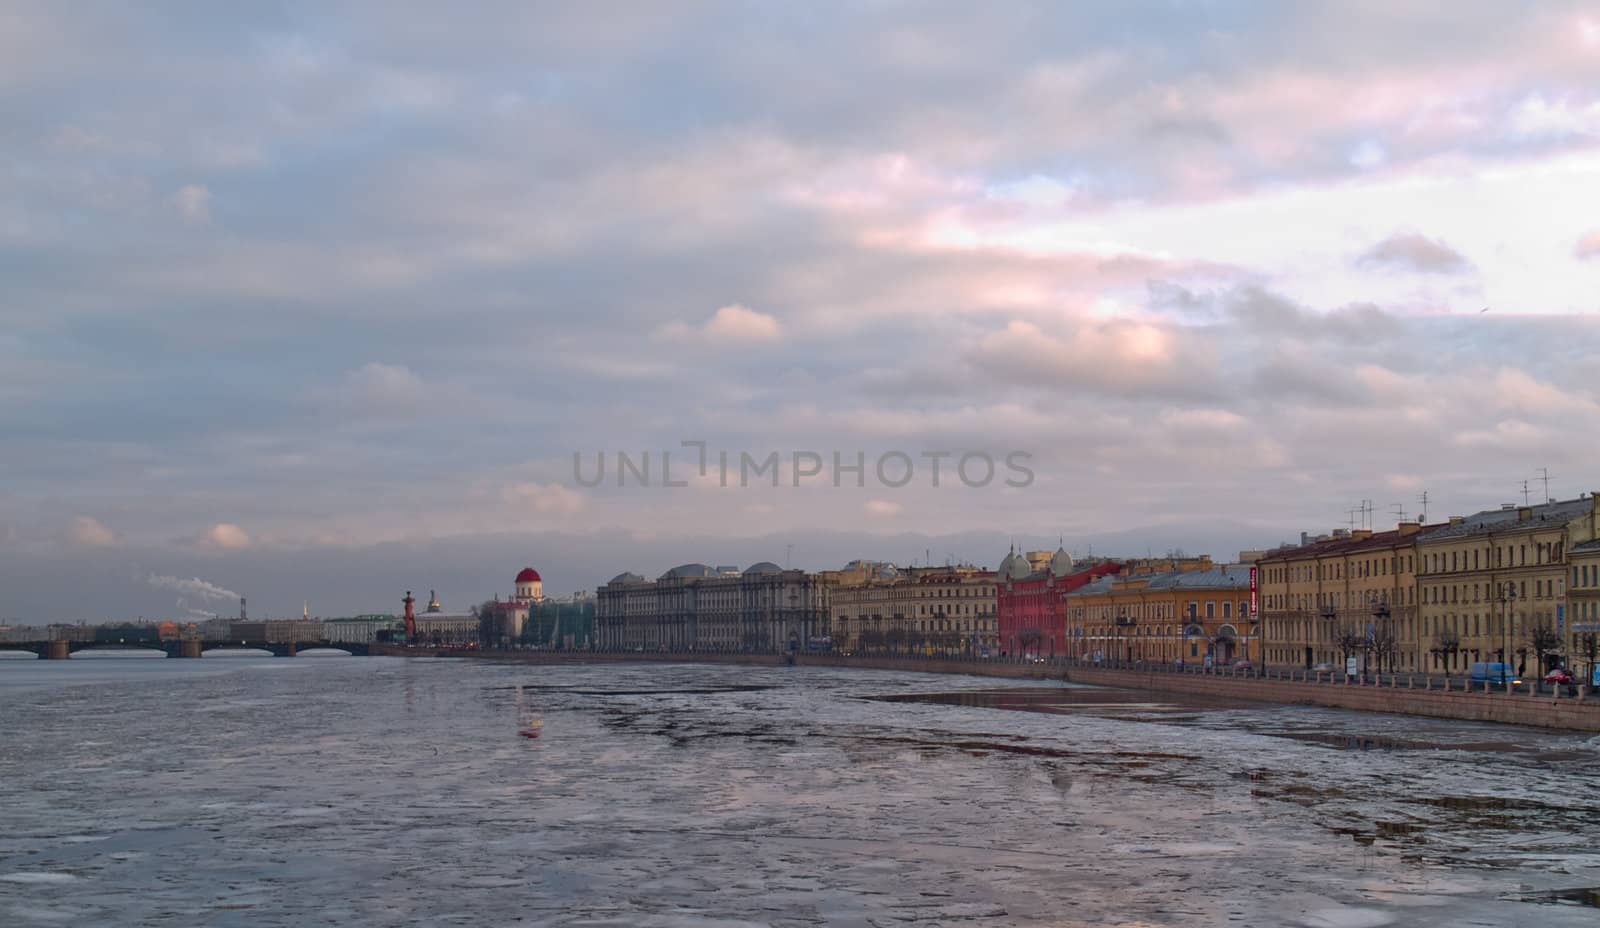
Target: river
379	791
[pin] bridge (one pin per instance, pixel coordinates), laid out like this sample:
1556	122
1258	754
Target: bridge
187	647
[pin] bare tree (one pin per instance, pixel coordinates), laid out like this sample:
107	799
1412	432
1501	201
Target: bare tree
1589	644
1447	643
1351	644
1385	646
1545	643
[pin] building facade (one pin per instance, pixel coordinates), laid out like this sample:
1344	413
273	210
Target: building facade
1197	613
1030	615
948	611
1493	586
764	609
1583	608
1345	594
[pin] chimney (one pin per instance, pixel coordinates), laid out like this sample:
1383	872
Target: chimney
1457	520
1525	514
1361	533
1305	539
1504	507
1407	529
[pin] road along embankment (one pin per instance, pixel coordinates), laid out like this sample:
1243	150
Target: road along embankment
1400	694
1394	695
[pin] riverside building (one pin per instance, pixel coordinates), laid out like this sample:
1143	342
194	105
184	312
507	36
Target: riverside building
1342	595
1493	586
693	607
1185	611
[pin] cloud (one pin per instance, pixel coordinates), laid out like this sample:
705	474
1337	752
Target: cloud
1538	117
90	533
882	508
732	323
1111	356
1413	252
545	498
387	388
193	203
225	536
1261	311
1588	246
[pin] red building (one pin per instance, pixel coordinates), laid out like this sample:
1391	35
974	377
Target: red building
1030	615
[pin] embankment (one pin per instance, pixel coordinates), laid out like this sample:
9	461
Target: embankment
1394	696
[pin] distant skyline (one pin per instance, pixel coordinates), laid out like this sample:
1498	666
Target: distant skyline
309	301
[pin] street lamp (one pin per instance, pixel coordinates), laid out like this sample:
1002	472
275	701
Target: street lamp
1508	598
1328	616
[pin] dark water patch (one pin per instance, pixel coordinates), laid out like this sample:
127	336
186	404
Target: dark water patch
1487	804
1362	741
1582	896
1399	829
1058	700
685	691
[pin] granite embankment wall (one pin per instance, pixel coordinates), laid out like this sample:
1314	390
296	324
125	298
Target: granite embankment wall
1545	711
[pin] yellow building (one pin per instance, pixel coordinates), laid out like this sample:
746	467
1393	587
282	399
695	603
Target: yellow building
955	611
1492	586
1583	608
1346	594
1197	614
919	610
874	614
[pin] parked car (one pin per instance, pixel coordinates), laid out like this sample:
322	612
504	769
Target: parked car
1560	675
1244	665
1323	667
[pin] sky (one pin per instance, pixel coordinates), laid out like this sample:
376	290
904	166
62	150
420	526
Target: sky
319	302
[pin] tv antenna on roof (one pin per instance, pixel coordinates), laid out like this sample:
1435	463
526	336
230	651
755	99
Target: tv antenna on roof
1399	511
1524	492
1544	474
1424	500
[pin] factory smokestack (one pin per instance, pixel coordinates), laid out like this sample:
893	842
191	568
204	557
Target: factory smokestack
242	615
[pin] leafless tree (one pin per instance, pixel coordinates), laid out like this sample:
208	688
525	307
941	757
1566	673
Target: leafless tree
1385	646
1589	644
1545	643
1447	643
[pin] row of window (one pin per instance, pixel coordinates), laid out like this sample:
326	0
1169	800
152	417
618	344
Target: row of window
1543	588
1544	552
1307	602
1161	610
1365	567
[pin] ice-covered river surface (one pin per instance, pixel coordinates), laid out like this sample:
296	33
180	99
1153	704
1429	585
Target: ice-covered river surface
368	791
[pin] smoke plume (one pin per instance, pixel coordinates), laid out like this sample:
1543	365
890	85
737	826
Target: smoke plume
195	587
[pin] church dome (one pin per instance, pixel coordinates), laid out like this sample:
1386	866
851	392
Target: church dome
764	567
1061	562
1015	566
529	575
627	577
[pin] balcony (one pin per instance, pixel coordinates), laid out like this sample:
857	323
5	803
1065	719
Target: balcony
1125	621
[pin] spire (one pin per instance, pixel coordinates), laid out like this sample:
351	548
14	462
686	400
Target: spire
305	610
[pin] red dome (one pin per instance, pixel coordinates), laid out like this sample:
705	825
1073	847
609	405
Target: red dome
529	575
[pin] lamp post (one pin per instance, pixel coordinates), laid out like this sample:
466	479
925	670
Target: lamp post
1508	598
1328	617
1381	636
